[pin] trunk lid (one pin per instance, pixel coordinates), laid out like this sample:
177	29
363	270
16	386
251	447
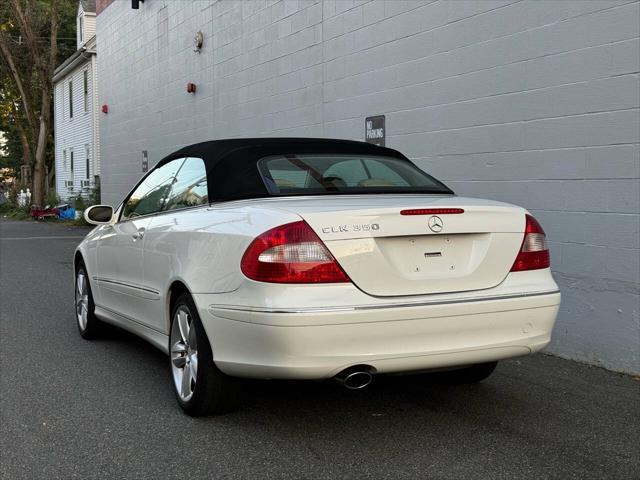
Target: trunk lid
389	254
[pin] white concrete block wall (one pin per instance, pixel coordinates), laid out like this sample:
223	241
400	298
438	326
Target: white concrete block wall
530	102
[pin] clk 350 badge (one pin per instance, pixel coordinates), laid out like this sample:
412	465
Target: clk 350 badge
364	227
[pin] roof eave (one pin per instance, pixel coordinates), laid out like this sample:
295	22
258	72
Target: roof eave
79	57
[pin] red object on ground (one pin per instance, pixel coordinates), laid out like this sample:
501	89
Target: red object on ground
38	213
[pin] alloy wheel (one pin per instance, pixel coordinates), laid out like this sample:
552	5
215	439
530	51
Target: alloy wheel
184	353
82	300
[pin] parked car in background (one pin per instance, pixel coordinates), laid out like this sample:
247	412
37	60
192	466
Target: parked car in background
312	259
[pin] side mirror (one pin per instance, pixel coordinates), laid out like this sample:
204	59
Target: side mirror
98	214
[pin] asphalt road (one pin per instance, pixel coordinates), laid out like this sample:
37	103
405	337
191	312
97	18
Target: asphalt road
105	409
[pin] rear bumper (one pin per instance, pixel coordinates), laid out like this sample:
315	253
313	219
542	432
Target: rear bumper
320	342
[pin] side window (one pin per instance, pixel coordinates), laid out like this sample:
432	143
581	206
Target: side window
151	195
190	186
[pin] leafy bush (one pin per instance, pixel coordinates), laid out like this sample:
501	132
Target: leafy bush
52	199
94	197
12	195
20	213
81	222
79	203
6	208
13	211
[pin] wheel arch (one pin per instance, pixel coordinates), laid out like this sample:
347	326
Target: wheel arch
77	259
176	288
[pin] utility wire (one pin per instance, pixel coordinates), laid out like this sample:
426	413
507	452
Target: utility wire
21	41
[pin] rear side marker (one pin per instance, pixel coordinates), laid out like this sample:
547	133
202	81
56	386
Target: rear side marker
432	211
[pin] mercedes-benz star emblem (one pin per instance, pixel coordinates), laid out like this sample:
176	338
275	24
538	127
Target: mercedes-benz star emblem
435	224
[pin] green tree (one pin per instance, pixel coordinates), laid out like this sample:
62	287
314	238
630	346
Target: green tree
16	150
35	36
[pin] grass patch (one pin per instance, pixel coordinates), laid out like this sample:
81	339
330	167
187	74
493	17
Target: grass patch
79	222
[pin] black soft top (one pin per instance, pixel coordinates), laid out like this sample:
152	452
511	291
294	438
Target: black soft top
232	172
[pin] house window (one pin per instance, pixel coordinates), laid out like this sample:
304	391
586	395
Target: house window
81	28
85	79
71	162
61	93
64	160
70	99
87	153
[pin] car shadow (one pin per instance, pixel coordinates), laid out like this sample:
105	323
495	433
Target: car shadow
290	403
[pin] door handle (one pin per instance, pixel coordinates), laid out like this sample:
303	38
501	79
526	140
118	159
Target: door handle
138	235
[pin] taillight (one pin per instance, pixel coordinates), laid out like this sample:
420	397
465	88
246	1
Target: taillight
534	253
291	253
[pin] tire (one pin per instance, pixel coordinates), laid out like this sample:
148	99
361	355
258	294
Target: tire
473	374
88	324
210	391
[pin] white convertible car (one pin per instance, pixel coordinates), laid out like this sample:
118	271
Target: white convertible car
312	259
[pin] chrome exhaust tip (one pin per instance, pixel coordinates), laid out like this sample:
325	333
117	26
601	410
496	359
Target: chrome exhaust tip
355	378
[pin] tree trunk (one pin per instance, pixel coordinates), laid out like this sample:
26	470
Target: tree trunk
51	177
27	158
38	192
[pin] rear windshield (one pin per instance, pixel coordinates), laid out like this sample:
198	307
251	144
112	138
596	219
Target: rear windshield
318	174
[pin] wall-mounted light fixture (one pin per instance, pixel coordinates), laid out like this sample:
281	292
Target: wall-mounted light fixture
191	87
198	40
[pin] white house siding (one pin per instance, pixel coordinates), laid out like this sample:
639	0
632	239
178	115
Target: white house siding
74	133
530	102
89	25
95	111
